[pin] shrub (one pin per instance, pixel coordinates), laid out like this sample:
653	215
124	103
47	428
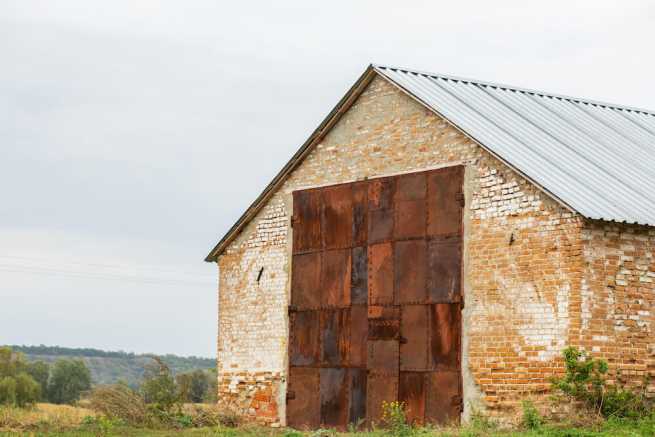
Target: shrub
585	381
119	402
158	387
531	417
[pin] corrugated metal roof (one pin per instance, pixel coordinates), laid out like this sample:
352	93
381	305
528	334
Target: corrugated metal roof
596	158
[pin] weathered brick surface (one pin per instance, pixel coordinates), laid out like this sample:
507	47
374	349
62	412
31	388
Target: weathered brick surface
526	291
619	297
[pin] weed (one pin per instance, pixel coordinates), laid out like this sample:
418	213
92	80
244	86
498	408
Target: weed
531	417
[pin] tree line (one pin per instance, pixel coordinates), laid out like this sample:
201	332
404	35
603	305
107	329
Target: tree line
25	382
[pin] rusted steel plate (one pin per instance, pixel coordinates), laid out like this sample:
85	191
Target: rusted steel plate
414	332
337	224
303	402
335	337
380	274
411	186
445	336
334	396
444	201
411	391
306	220
380	225
305	277
443	397
383	357
410	206
335	278
410	266
410	219
444	271
383	329
357	412
380	388
380	193
359	278
358	335
360	213
383	312
305	338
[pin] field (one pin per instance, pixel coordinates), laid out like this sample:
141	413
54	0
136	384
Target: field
63	420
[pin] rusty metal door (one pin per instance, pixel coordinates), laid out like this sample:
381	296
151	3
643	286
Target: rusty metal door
375	310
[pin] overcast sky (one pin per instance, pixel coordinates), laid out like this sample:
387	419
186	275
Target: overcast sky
134	133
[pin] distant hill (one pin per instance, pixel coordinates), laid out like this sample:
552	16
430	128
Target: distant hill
109	367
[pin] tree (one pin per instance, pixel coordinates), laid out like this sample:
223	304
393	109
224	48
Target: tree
68	380
158	386
40	371
192	386
17	387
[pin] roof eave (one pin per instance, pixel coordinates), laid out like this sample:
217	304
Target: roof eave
344	104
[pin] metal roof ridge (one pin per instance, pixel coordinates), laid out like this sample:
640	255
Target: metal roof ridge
519	89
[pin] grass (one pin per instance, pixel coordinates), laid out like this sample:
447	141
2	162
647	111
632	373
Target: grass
66	421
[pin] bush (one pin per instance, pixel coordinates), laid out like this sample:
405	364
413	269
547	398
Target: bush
585	381
531	417
158	387
119	402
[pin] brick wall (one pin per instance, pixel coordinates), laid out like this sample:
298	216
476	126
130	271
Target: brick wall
618	299
523	262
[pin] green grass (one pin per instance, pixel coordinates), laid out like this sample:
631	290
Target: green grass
611	428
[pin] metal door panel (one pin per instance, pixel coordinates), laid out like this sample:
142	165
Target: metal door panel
337	224
360	213
359	280
410	219
306	220
380	388
305	281
303	402
380	274
444	271
304	343
380	193
335	278
414	333
445	334
383	357
409	271
445	201
380	225
357	411
358	335
334	396
335	337
411	391
411	186
410	206
443	397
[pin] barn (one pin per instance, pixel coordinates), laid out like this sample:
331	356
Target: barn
439	241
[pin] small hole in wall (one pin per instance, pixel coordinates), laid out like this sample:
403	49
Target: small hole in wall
259	275
511	239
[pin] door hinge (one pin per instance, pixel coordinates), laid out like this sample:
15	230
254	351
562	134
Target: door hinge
291	395
291	309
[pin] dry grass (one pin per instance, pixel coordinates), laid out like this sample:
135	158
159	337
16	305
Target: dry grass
42	416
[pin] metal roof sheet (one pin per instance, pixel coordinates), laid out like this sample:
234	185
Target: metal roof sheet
596	158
